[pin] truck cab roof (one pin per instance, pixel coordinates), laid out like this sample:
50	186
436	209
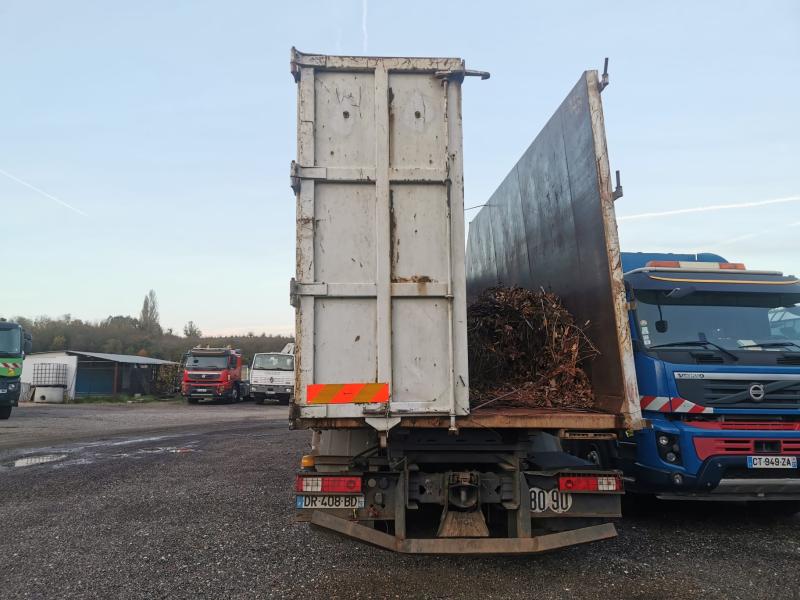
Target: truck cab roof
701	272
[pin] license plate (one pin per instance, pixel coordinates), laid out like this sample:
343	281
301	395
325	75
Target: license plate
771	462
329	502
550	500
200	390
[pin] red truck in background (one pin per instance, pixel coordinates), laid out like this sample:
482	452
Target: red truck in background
214	374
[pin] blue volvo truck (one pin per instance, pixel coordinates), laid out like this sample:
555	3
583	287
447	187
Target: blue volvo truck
717	355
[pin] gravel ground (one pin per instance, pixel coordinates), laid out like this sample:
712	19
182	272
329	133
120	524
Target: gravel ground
206	513
33	425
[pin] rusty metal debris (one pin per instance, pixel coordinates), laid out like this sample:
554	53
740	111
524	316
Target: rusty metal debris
525	350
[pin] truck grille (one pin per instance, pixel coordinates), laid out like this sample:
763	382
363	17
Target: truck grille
202	376
706	447
736	393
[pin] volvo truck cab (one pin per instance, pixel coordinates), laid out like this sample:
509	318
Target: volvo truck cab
717	353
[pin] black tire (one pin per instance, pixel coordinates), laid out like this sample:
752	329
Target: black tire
5	412
191	400
283	400
258	399
234	395
597	452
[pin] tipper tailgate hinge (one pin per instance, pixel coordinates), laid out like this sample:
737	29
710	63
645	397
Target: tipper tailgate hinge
297	289
459	74
298	172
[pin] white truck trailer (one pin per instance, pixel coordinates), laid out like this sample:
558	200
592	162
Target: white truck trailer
398	458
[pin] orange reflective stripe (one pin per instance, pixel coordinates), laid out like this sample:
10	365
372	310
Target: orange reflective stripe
347	393
322	393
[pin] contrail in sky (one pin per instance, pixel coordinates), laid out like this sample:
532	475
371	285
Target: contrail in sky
758	233
364	36
42	192
712	207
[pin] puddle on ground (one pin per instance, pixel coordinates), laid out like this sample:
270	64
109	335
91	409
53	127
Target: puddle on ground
88	454
29	461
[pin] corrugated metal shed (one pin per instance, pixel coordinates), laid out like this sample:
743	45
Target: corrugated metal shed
123	358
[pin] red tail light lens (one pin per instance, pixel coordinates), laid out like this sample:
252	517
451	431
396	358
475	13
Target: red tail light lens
589	483
328	485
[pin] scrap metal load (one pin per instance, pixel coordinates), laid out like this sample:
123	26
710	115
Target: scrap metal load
525	350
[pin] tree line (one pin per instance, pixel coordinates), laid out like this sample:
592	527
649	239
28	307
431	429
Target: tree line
142	335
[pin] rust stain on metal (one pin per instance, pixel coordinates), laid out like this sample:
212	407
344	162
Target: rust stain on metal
413	279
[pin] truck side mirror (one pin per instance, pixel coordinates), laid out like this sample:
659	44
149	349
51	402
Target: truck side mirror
27	344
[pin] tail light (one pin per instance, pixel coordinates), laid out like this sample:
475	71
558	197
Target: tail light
590	483
329	485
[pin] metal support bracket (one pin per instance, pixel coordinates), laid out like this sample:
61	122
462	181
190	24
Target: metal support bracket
604	81
382	424
618	190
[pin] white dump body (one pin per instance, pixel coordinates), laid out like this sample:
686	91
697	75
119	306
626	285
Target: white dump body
379	288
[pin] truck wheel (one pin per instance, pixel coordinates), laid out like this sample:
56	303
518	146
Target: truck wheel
235	394
284	400
597	453
5	412
258	399
191	400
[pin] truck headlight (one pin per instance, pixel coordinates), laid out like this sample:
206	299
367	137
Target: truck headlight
669	448
12	386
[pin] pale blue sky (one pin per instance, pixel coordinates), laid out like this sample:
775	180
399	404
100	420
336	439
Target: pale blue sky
170	125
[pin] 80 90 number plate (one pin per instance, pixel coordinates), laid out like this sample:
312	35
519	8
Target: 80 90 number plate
550	500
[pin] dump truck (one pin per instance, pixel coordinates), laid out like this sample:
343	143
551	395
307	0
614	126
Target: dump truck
15	342
214	374
398	457
272	376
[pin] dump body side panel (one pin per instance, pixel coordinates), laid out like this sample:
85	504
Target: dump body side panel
380	286
551	224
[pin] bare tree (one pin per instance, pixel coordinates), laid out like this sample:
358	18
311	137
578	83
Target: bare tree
190	330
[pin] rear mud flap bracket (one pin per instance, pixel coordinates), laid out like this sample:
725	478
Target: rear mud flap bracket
532	545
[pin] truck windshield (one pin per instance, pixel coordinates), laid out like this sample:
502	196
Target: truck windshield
756	321
206	362
10	341
274	362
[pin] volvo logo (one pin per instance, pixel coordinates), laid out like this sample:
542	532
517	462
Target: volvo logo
757	392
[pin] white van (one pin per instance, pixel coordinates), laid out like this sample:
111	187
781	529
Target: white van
272	377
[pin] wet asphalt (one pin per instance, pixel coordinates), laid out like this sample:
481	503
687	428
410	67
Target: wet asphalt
204	511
